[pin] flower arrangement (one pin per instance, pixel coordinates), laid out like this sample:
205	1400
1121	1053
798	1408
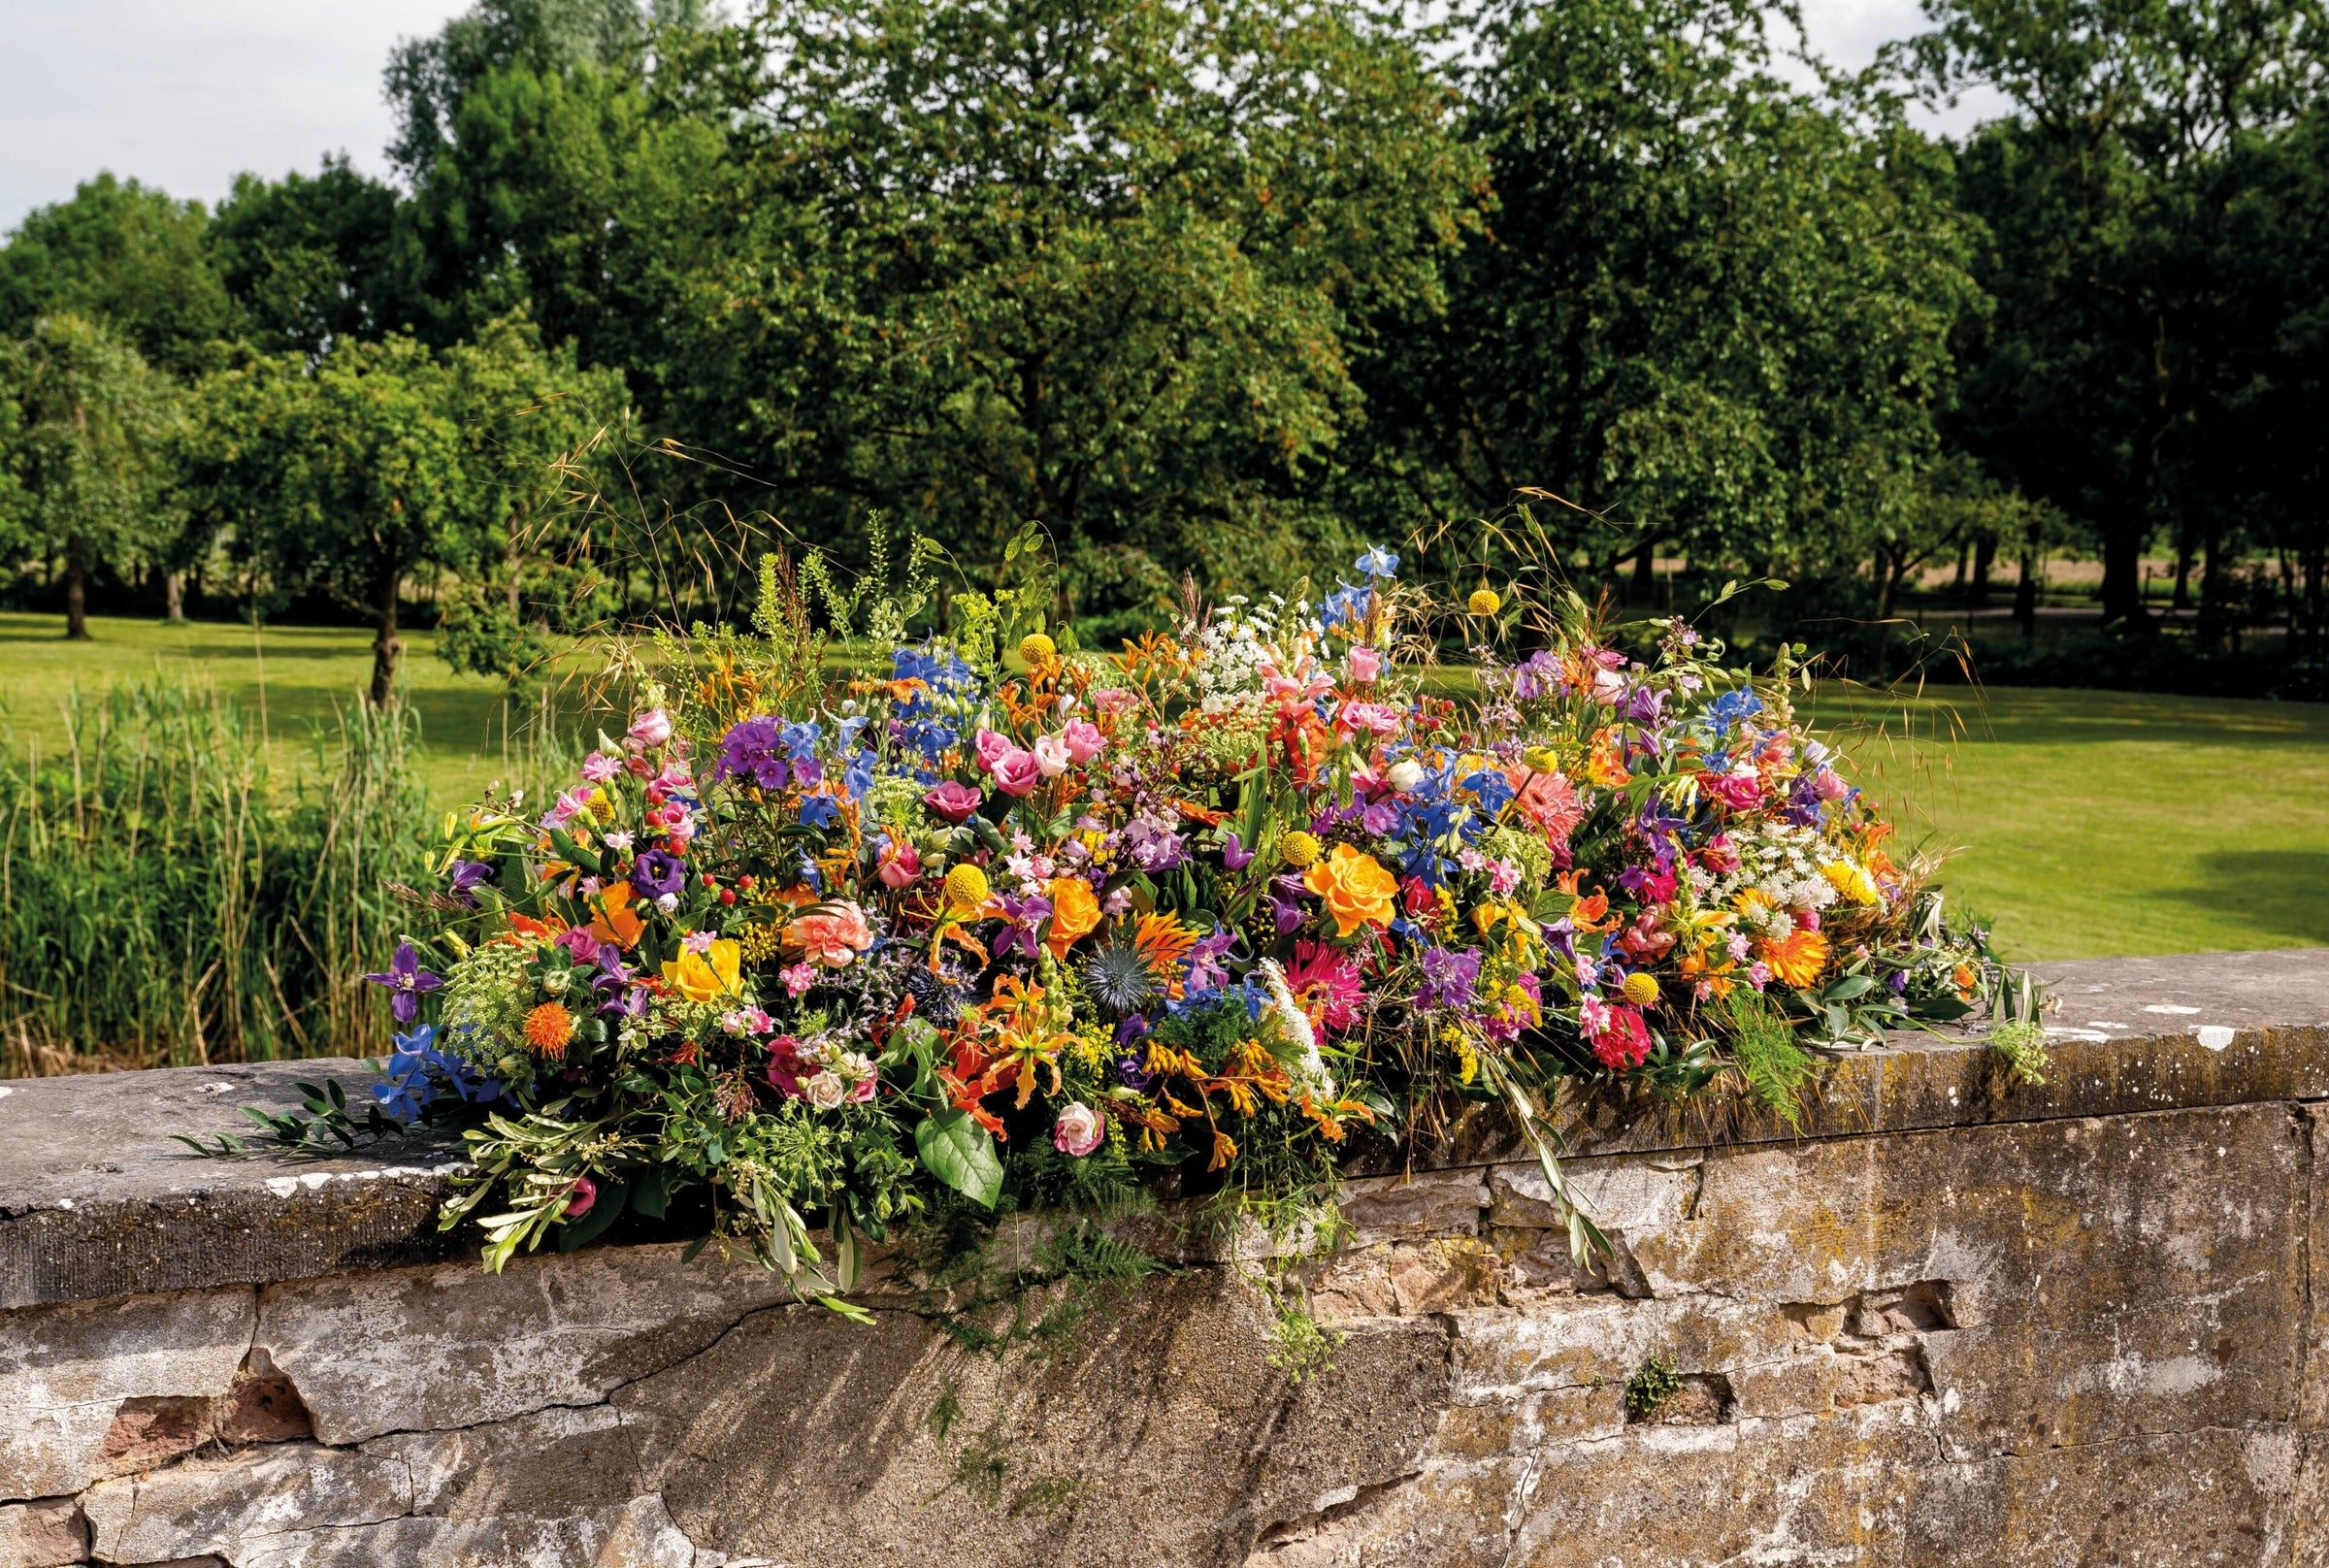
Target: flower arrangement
813	952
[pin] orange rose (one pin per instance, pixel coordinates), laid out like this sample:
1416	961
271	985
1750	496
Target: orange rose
1074	913
1357	889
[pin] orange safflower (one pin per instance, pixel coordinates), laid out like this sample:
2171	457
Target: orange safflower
549	1028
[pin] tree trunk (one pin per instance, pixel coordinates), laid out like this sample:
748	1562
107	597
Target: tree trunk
2215	593
173	597
2183	598
1645	574
1964	557
2316	557
77	590
1984	556
385	645
2025	595
2122	573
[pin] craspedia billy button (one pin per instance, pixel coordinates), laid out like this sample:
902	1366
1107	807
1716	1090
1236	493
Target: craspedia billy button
1037	650
1483	602
1640	989
1298	849
966	888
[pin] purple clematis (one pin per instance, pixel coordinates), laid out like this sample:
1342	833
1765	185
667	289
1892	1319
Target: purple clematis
406	980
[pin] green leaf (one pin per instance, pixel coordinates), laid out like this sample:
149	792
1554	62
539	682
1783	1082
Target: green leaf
603	1214
1850	986
958	1151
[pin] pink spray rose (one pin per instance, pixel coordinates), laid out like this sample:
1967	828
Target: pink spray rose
1083	741
992	748
1078	1130
1017	771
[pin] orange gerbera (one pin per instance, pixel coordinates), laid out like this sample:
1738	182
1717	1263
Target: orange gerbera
1796	958
1354	888
549	1028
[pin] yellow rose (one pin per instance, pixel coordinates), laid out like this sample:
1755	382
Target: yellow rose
706	977
1075	912
1356	888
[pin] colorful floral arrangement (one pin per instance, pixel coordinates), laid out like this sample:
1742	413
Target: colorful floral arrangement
826	953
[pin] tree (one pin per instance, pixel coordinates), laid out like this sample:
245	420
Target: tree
1713	307
2108	198
1094	265
383	459
88	427
129	255
312	260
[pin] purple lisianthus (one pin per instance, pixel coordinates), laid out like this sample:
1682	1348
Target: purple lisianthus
656	874
748	750
953	802
406	980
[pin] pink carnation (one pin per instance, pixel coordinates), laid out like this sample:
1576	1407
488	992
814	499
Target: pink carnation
833	935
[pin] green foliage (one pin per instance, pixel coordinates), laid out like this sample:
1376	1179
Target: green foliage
1774	1068
1653	1385
125	254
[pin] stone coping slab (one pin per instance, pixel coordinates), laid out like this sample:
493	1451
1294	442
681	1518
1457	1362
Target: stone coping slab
98	1200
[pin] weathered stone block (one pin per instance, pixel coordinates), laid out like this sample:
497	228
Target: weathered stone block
66	1370
452	1345
47	1534
1427	1205
236	1506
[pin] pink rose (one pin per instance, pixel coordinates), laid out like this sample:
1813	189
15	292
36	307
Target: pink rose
1084	741
1365	663
953	802
1741	791
833	935
1078	1130
651	728
900	865
1051	755
1017	771
992	748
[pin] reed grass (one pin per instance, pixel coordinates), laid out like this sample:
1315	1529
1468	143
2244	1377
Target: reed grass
165	902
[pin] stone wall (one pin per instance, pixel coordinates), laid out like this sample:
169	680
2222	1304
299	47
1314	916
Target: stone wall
1943	1324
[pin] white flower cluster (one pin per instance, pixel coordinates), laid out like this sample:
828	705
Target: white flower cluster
1780	861
1239	640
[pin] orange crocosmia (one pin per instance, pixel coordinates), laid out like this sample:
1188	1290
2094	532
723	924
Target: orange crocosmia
1796	958
522	926
613	919
1354	888
1074	913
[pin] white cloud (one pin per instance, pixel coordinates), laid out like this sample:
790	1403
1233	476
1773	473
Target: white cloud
185	93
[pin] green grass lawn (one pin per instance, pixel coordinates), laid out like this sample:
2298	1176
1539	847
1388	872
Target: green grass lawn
2096	823
294	674
2088	823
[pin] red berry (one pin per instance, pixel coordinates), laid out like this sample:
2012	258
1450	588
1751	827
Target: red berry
708	880
727	894
745	882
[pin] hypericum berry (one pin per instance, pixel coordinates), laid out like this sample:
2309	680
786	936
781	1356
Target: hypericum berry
708	880
747	881
727	894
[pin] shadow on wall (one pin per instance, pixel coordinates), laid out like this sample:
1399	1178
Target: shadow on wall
2283	892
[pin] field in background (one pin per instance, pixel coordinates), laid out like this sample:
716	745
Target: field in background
2091	823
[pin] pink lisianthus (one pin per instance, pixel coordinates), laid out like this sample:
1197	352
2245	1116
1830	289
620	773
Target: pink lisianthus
651	728
901	865
1017	771
992	748
1083	741
1365	664
953	802
578	940
1051	755
1078	1130
832	937
1741	791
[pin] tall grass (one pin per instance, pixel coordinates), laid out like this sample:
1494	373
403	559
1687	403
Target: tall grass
163	900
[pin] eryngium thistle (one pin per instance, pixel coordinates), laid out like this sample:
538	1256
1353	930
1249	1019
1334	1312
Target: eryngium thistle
937	998
1118	978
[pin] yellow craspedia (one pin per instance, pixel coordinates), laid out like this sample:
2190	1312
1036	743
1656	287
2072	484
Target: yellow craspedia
1298	849
1037	650
1483	602
1640	989
966	888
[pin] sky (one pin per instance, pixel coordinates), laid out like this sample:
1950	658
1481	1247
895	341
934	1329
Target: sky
185	93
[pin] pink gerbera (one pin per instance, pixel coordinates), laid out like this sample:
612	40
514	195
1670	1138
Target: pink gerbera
1551	802
1325	981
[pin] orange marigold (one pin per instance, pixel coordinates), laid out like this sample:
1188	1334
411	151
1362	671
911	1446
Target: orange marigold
549	1028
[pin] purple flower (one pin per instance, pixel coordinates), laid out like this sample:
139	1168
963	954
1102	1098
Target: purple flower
1205	969
467	877
1379	818
1025	916
406	980
953	802
656	874
748	750
1450	979
1233	853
